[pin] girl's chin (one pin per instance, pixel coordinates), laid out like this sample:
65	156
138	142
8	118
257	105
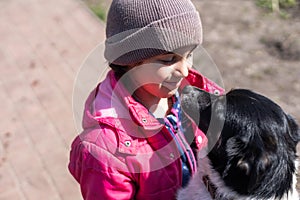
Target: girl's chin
161	91
171	85
166	92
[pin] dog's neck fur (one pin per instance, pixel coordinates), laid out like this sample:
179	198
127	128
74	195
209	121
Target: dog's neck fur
225	193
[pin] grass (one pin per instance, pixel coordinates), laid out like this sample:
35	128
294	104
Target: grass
99	11
98	7
277	5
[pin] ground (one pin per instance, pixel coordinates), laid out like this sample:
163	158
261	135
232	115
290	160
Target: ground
252	48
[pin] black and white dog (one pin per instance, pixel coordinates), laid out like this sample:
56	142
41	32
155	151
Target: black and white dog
251	153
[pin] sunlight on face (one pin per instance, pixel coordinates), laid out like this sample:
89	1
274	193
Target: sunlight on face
161	75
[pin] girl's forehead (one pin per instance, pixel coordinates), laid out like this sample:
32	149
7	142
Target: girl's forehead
180	52
169	55
184	50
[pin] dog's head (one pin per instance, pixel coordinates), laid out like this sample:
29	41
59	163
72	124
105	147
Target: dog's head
253	141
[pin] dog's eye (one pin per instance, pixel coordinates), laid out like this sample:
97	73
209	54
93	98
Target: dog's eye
244	166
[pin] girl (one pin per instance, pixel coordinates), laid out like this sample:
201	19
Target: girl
136	143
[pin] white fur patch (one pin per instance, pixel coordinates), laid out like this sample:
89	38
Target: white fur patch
196	189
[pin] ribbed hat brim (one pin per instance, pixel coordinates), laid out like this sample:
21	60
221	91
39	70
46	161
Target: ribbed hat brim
165	35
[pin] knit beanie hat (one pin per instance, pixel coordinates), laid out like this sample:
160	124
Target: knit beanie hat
140	29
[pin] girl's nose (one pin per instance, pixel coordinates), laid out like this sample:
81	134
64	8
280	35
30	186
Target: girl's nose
182	68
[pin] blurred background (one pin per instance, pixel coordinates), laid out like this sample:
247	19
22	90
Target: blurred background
255	44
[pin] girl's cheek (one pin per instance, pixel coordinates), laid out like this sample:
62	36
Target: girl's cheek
165	72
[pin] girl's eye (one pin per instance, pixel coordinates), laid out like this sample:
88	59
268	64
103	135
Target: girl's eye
168	59
189	58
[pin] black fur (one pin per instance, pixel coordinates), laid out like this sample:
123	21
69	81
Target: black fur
252	140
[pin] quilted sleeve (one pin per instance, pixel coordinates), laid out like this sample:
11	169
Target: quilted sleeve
90	166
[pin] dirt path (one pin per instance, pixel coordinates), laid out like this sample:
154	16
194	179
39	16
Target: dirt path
253	49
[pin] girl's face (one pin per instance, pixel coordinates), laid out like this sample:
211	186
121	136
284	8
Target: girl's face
160	76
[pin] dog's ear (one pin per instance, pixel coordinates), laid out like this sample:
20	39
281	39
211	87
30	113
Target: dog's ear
294	130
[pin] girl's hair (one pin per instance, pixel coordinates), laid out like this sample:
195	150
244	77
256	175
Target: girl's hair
118	69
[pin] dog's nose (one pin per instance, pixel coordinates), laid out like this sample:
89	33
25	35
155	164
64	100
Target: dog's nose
187	89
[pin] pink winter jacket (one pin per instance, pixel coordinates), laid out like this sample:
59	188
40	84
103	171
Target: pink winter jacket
124	152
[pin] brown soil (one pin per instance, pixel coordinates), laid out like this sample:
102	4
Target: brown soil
254	49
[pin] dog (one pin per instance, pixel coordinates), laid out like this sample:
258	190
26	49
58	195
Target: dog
251	151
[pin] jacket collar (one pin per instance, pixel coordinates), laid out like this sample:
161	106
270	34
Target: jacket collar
129	115
138	113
